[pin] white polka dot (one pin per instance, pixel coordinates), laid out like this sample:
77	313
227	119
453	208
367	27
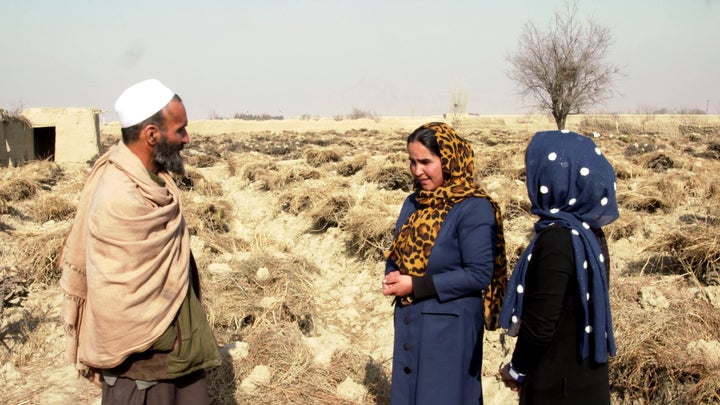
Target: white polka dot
584	171
520	289
574	232
597	150
552	156
587	296
554	210
585	225
588	329
604	201
565	131
585	264
529	256
602	258
572	201
544	189
615	186
514	319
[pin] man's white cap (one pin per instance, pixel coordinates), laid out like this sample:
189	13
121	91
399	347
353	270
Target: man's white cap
140	101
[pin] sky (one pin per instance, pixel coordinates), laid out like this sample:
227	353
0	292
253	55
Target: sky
326	58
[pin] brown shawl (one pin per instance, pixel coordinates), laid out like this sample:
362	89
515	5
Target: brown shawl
125	262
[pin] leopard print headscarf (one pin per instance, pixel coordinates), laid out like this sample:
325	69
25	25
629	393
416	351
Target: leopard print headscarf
412	246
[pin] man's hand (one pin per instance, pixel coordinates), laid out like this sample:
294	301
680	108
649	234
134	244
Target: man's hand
95	377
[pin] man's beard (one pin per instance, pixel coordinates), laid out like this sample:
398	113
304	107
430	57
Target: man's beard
168	156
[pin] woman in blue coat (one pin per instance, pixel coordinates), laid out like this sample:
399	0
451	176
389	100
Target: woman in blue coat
447	271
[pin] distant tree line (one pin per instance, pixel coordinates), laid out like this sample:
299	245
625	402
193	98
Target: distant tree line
671	111
247	117
257	117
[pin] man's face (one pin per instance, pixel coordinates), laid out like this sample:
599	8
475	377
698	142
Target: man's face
172	138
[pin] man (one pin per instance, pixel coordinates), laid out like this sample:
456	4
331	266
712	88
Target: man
132	311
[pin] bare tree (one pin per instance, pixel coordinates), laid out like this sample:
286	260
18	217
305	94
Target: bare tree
563	67
459	101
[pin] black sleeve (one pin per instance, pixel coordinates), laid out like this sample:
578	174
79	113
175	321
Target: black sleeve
423	287
551	270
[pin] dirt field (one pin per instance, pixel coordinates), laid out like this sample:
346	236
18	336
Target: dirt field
289	221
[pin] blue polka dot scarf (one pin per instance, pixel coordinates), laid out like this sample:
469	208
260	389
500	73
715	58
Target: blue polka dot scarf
570	183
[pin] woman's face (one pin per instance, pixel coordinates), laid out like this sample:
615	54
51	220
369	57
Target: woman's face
425	167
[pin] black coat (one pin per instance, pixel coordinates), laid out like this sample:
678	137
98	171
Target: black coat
547	348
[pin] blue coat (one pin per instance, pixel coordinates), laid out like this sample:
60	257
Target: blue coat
437	353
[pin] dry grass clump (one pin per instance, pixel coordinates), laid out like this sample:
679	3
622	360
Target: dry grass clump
514	208
294	376
221	243
362	369
253	167
640	149
18	189
378	144
699	129
371	226
25	333
294	202
485	167
319	156
712	151
654	363
263	289
651	194
52	207
196	182
4	207
283	145
200	159
44	172
207	150
330	210
388	175
13	288
507	162
308	196
37	256
348	167
694	250
329	138
205	217
518	233
326	202
21	183
627	225
503	156
626	170
222	383
659	162
280	347
292	173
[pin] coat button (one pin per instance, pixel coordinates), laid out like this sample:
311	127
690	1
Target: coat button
407	370
406	320
406	346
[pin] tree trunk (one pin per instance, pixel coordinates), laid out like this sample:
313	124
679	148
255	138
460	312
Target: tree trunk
560	121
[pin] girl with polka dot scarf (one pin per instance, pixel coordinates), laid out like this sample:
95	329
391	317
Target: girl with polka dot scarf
571	185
